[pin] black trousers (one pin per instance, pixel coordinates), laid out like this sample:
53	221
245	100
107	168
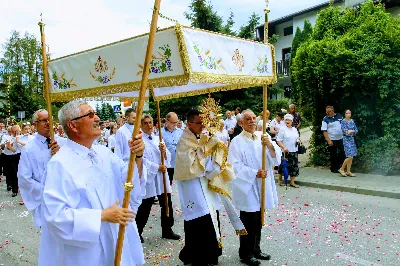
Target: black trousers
201	245
171	174
144	211
11	170
250	244
2	163
337	155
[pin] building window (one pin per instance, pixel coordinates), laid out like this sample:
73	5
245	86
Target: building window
288	31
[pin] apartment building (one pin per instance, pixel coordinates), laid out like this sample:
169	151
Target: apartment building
286	27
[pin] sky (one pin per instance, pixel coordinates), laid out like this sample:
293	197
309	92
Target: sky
77	25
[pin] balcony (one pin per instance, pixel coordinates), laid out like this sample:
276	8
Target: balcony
283	68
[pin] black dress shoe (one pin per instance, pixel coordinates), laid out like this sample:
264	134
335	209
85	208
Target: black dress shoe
14	195
141	239
251	261
9	188
263	256
171	235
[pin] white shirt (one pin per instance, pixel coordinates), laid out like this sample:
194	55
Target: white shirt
193	201
289	137
152	160
245	153
79	184
260	124
111	141
224	136
11	139
123	135
34	158
230	123
277	126
25	139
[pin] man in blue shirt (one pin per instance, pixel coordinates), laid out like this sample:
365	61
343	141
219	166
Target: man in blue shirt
171	135
333	134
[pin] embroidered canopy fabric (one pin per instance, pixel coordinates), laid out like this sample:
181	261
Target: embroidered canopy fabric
185	61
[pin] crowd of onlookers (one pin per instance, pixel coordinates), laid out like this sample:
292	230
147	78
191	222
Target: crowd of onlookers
284	129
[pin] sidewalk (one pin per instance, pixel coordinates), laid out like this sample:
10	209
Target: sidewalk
367	184
375	185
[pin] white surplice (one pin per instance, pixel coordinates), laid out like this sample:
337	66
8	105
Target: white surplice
152	160
245	153
123	135
80	183
193	200
34	157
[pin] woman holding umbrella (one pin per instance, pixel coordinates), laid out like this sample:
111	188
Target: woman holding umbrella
288	140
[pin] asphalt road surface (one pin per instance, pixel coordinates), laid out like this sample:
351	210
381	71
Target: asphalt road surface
308	227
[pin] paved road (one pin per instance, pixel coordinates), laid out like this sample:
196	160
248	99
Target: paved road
309	227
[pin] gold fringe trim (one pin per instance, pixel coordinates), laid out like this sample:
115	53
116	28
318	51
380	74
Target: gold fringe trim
269	81
219	191
187	68
169	81
242	232
220	243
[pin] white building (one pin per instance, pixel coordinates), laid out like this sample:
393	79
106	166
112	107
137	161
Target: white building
286	27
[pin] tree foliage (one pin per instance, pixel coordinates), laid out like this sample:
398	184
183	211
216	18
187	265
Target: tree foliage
202	15
352	61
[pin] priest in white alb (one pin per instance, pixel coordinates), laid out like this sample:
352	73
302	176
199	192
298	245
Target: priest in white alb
245	153
34	158
84	186
155	182
202	176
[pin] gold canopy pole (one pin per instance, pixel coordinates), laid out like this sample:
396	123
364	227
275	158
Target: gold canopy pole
139	112
46	79
162	160
264	147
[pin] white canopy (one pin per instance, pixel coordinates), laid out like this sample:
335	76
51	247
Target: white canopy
185	62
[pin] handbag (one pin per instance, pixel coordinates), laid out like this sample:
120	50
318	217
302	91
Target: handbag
301	149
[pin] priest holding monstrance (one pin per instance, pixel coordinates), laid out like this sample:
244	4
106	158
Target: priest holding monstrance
202	175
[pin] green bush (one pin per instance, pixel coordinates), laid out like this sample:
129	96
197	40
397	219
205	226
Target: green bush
377	155
352	61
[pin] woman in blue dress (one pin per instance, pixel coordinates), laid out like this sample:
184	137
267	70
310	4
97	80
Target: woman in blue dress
349	129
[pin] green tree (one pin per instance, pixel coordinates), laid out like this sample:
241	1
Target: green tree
111	114
300	37
352	61
203	16
248	31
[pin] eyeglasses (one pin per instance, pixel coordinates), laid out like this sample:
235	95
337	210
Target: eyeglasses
90	115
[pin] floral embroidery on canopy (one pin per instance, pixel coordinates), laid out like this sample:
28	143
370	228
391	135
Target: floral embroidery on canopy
262	66
238	60
161	63
101	67
61	82
206	60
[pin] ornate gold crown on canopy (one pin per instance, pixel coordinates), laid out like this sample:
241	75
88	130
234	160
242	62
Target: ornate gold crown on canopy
210	115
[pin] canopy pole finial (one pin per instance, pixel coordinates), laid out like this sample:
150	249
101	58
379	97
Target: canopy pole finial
46	80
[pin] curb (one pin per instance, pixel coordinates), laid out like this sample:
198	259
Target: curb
356	190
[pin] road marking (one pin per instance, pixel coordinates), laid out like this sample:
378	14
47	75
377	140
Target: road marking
356	260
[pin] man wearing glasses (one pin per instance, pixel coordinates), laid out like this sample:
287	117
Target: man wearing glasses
82	194
171	135
124	134
34	157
